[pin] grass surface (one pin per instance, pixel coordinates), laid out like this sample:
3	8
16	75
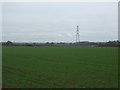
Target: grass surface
60	67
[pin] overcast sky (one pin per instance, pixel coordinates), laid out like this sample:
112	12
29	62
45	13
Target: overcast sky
57	22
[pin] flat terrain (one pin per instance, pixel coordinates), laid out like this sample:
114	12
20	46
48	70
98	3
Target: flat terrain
60	67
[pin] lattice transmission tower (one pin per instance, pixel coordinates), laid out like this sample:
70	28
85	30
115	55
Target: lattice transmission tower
77	35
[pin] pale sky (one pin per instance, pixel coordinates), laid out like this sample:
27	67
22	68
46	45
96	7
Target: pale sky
56	22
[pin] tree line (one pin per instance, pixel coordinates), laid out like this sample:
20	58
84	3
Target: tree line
92	44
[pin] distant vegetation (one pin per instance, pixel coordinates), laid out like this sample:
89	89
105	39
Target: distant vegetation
91	44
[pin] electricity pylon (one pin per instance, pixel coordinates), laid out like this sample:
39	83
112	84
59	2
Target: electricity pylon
77	35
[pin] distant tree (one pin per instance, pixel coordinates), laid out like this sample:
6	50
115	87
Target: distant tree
9	43
47	42
52	43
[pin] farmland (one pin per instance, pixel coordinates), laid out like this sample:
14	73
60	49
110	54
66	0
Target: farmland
60	67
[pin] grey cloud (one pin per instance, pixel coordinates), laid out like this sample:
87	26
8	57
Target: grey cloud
57	21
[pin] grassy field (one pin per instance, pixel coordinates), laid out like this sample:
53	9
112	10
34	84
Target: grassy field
60	67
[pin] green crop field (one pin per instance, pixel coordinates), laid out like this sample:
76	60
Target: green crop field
60	67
